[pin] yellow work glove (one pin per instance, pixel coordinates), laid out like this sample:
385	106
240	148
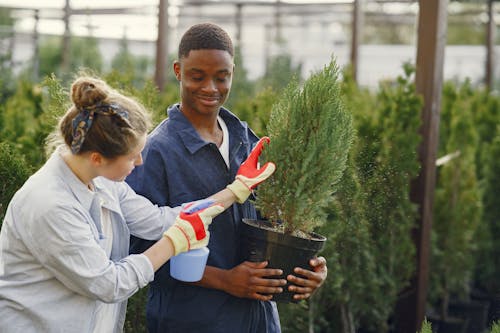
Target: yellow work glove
190	230
249	175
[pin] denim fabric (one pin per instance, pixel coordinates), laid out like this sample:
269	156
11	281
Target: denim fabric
179	167
53	269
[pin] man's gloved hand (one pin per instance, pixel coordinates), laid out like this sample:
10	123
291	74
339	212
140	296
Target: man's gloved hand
249	175
190	230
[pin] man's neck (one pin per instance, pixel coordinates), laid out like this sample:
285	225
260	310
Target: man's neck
206	126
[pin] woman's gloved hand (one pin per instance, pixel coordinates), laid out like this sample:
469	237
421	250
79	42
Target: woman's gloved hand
249	174
190	230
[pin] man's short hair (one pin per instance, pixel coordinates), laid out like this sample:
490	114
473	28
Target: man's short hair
205	36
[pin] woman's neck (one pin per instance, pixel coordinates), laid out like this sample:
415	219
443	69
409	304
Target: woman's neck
80	166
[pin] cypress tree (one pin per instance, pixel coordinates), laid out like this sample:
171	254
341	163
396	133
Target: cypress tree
311	132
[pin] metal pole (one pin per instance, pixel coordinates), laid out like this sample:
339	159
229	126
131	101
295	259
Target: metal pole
162	45
66	46
278	24
490	48
239	23
36	60
356	36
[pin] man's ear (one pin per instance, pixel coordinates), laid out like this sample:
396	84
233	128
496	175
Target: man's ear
96	159
177	70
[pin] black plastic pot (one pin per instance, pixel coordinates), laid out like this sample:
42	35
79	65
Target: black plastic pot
448	325
259	242
490	298
475	311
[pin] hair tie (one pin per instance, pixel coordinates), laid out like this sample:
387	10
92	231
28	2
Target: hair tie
83	121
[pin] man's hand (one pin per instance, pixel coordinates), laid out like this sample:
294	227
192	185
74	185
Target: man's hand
249	174
190	230
248	280
311	280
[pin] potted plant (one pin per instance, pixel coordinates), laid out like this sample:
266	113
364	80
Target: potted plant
311	132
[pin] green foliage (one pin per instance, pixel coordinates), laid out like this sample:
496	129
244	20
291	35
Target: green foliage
6	17
55	103
311	133
459	33
147	94
20	121
13	173
84	54
293	316
495	328
387	32
256	109
457	204
387	162
135	321
485	108
279	72
426	327
369	251
351	284
7	82
50	56
489	254
133	69
242	90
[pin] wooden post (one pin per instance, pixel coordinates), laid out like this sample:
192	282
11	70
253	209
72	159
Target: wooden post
355	38
267	46
36	55
66	45
239	23
278	38
490	48
432	23
162	45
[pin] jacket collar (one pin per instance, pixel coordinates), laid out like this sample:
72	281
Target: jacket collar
84	196
190	138
75	185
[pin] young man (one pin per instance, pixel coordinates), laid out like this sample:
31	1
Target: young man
195	152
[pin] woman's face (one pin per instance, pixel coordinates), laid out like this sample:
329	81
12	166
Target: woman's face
117	169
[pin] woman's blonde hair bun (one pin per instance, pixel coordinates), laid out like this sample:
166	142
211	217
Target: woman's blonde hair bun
86	91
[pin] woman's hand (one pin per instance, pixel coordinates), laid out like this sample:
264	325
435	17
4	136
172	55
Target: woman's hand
249	174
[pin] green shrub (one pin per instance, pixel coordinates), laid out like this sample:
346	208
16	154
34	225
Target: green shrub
13	173
495	328
457	203
426	327
311	133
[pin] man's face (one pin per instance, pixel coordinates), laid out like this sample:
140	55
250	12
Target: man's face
205	79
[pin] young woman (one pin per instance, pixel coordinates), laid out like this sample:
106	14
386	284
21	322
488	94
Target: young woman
64	263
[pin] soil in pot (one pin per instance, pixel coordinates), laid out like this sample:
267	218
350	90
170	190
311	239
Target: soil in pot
260	242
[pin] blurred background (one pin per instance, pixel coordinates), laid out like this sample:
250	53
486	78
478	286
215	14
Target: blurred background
309	31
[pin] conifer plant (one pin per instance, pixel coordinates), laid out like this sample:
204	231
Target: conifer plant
311	133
